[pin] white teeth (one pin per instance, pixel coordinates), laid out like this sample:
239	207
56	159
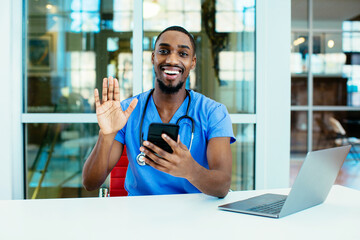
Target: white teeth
171	72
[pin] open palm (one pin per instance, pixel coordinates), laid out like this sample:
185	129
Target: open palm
110	116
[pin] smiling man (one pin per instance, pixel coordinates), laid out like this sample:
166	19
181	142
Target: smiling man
202	164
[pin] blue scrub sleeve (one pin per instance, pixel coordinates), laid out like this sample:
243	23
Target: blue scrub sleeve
120	136
220	123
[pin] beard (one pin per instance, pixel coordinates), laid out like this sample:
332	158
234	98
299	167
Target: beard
169	89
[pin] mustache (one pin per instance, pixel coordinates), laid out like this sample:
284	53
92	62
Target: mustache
169	65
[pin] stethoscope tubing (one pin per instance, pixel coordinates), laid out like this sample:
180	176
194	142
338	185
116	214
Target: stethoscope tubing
186	116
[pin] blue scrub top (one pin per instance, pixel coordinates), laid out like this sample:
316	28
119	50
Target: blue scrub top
211	120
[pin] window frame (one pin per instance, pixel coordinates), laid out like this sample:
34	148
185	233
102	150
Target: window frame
272	133
310	108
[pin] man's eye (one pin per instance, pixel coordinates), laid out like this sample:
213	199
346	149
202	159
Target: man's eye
163	51
184	54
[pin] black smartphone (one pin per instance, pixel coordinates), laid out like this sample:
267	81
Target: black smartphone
155	131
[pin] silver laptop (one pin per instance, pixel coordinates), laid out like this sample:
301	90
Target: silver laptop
311	187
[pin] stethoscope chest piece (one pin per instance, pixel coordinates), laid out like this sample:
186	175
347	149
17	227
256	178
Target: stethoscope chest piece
140	159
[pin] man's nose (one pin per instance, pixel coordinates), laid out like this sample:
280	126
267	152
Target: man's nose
172	59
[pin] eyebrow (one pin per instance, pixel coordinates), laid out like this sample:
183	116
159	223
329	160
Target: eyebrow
164	44
183	46
179	46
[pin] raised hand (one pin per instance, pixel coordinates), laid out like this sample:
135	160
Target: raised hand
110	116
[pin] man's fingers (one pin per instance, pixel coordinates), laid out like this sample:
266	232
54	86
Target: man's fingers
170	141
104	90
155	165
97	99
111	89
150	155
131	107
155	158
116	90
151	149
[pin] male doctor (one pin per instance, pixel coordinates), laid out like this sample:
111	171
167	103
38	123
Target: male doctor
205	168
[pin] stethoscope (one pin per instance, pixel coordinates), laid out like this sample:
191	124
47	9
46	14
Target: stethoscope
141	157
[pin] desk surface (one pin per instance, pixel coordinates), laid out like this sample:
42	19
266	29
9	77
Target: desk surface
189	216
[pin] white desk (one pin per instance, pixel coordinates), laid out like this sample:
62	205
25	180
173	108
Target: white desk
190	216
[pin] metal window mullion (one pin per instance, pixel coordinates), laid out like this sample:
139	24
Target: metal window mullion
138	47
299	108
59	118
299	30
91	118
325	108
243	118
310	78
25	17
322	30
335	108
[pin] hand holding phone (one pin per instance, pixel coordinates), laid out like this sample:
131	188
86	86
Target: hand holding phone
155	131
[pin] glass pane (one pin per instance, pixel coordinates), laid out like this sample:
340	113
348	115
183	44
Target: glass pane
332	14
336	55
55	155
298	148
330	90
336	129
243	151
161	14
225	68
299	53
299	89
299	14
299	128
72	45
335	65
299	68
328	55
326	125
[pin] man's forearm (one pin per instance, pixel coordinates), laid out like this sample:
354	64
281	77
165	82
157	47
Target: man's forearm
96	167
212	182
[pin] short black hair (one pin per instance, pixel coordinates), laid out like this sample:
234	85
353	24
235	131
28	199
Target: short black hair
179	29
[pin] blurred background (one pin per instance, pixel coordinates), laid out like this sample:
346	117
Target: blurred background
325	78
72	44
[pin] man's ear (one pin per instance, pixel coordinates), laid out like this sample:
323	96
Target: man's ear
193	62
152	58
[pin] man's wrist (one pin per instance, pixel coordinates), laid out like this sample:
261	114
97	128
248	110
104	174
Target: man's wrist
108	135
195	172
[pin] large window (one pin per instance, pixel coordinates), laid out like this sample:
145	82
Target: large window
71	45
325	70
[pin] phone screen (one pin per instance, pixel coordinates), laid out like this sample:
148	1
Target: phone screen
155	131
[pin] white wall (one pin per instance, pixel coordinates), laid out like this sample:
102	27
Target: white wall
11	147
5	95
273	19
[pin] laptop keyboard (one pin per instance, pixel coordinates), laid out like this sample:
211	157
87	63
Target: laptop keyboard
272	208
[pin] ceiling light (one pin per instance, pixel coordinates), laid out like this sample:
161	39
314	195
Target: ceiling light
151	9
331	43
299	41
